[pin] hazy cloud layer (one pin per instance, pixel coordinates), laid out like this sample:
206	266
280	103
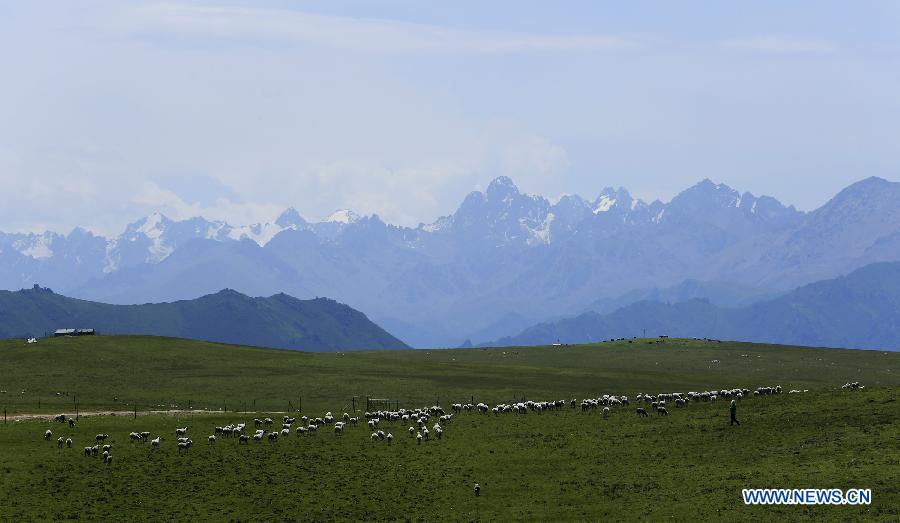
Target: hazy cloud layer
113	110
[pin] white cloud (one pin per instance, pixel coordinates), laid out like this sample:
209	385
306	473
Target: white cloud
364	34
780	45
153	197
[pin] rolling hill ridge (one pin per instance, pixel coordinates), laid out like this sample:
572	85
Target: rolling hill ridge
279	321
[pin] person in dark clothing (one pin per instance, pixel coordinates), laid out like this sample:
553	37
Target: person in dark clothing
733	409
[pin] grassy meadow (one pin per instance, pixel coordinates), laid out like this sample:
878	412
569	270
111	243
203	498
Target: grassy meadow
117	373
560	466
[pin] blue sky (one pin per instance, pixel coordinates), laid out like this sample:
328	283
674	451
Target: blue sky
112	110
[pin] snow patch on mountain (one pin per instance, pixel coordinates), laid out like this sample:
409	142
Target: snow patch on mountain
540	235
261	233
37	246
604	204
344	216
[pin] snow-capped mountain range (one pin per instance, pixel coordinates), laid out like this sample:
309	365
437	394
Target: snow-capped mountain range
502	261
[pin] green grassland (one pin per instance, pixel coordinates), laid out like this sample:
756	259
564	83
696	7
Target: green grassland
119	372
558	466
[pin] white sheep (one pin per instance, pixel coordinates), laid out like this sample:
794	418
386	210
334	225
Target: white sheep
181	431
212	439
390	438
59	442
155	441
48	435
68	443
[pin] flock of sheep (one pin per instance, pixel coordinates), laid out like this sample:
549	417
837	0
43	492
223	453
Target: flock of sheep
417	420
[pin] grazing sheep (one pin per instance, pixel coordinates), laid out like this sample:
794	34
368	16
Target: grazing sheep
477	490
273	437
641	412
108	459
338	430
605	412
183	446
419	438
59	442
390	438
71	423
243	438
412	431
661	411
107	448
212	439
155	441
100	437
87	451
48	435
181	431
68	443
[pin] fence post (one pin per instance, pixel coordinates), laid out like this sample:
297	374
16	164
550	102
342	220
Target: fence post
4	415
354	403
135	410
300	406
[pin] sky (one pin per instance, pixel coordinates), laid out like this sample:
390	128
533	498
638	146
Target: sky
237	110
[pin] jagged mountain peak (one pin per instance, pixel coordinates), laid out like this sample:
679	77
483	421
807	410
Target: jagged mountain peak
150	224
501	187
290	218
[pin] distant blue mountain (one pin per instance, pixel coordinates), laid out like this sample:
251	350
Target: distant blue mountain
860	310
502	261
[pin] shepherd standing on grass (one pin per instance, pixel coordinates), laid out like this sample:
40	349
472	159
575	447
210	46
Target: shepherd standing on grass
733	409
